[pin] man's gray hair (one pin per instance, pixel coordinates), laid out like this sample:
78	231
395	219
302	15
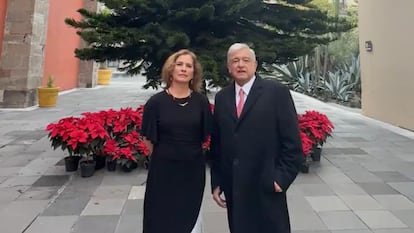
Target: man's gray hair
238	46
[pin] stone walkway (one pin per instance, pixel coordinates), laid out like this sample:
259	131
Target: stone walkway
364	182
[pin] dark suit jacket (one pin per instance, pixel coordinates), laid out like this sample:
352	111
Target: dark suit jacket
251	152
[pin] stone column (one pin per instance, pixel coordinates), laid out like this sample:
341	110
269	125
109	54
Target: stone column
88	69
22	60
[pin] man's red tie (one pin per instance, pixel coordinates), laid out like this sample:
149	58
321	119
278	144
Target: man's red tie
240	104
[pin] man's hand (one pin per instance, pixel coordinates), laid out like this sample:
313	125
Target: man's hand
277	187
216	196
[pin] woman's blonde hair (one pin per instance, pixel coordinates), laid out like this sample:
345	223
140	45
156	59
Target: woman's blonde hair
167	69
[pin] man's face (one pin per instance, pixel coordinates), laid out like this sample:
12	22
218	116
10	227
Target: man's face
241	66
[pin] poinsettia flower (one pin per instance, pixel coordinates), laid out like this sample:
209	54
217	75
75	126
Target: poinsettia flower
316	125
119	126
50	126
206	144
131	138
127	152
111	146
79	135
306	143
143	148
73	143
54	131
65	134
98	132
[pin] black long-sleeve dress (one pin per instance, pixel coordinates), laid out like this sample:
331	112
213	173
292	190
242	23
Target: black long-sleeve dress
176	177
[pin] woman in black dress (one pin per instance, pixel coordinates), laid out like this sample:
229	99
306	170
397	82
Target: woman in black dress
176	122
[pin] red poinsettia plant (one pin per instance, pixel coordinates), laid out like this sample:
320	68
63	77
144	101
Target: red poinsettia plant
206	144
316	126
115	133
79	136
125	144
112	133
307	143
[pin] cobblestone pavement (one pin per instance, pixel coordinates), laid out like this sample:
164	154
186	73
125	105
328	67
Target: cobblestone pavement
363	183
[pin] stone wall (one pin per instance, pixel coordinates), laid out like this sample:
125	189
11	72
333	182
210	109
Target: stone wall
21	68
88	69
23	53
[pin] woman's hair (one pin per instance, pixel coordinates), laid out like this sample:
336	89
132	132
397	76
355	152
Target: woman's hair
167	69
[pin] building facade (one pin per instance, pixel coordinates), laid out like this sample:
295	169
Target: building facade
387	60
35	42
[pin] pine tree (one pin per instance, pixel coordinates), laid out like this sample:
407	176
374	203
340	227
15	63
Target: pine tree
143	33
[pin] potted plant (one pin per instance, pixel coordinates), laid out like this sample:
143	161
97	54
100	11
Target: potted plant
111	135
111	164
129	150
124	145
122	153
47	96
318	128
104	74
111	150
59	134
307	144
100	160
83	137
99	157
90	138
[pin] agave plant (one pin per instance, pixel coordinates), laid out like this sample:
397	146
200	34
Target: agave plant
353	68
304	83
296	74
338	85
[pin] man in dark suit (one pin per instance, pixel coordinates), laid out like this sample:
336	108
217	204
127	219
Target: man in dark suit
256	148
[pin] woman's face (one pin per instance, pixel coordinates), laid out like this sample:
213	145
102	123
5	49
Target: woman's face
183	70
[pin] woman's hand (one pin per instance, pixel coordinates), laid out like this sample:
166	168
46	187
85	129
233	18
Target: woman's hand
216	196
149	144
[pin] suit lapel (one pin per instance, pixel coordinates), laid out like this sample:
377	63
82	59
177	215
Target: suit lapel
231	101
254	94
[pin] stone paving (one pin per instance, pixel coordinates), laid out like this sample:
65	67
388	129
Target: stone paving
364	182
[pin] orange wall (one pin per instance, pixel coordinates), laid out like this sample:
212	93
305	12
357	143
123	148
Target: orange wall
61	41
3	6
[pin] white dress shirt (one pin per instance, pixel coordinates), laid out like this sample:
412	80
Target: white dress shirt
246	89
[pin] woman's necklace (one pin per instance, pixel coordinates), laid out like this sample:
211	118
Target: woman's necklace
180	101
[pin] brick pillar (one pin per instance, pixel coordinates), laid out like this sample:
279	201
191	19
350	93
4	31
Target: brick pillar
22	57
88	69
